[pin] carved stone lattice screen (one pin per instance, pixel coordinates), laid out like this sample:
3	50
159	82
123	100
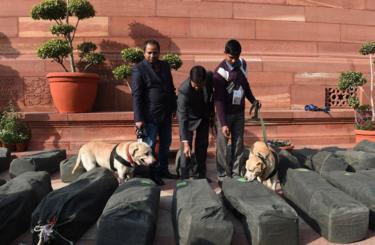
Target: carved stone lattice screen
336	98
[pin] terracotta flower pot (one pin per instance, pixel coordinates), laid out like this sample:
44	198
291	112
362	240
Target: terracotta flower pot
73	91
364	135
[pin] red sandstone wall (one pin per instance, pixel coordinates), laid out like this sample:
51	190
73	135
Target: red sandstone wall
295	48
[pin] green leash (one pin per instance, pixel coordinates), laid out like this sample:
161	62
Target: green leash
264	133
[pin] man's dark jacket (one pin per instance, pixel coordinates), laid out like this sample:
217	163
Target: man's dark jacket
154	97
192	108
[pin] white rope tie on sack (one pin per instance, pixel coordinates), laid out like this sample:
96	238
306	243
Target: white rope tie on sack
45	232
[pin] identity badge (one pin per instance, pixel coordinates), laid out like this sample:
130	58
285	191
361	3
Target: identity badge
237	96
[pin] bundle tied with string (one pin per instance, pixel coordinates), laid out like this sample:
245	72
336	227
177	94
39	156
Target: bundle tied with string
64	215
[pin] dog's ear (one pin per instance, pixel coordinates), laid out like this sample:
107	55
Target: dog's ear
135	150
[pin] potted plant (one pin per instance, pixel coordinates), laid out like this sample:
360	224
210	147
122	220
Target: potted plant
22	136
75	89
364	114
132	56
14	133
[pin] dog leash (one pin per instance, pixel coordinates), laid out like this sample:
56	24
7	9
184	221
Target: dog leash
257	117
264	133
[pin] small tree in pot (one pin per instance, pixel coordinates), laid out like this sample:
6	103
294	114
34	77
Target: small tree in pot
60	49
14	132
132	56
364	114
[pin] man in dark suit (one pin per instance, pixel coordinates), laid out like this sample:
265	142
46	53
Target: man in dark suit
195	106
154	102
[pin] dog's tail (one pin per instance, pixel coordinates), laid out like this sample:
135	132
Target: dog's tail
78	162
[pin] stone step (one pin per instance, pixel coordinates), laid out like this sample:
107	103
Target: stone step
70	131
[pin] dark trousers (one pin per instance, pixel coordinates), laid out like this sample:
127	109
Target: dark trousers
164	131
228	159
200	150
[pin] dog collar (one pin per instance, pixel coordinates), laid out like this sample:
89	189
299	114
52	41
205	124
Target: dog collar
116	156
128	154
274	171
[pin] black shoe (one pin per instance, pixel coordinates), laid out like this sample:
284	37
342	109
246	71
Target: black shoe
168	175
158	181
220	183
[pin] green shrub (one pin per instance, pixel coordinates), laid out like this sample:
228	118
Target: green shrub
364	114
12	128
122	72
58	50
173	60
132	56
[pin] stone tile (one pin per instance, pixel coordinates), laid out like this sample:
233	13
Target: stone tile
270	78
268	12
342	16
8	26
198	45
303	64
282	48
148	27
14	47
278	97
316	78
370	5
338	49
93	27
25	65
282	30
208	28
307	94
356	33
39	116
124	7
349	4
174	8
20	8
100	117
280	2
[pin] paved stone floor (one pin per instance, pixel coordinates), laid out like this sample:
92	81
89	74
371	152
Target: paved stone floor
164	233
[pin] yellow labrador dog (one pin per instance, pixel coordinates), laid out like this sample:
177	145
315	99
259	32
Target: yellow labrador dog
121	158
262	165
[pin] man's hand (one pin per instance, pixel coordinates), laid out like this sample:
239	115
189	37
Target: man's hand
256	105
225	131
139	124
187	150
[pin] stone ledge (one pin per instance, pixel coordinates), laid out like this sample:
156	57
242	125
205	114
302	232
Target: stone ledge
69	131
268	115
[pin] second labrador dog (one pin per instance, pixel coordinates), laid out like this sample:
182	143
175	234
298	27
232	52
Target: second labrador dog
262	165
121	158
